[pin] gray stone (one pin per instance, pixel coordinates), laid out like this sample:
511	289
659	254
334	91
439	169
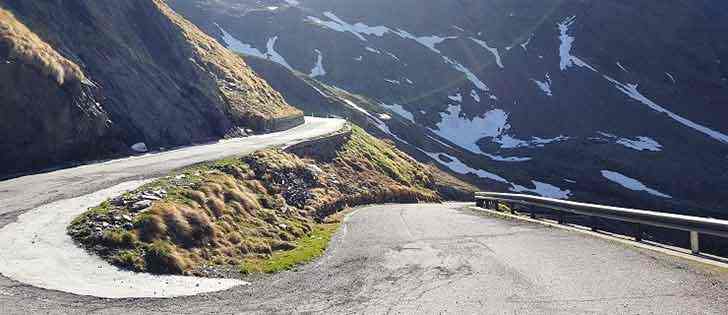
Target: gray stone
141	205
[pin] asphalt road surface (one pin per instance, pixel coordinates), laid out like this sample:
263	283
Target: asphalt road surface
441	258
28	192
431	258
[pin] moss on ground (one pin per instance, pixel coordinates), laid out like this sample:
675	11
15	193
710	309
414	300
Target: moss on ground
307	249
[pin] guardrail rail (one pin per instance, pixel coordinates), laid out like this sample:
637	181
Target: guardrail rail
693	224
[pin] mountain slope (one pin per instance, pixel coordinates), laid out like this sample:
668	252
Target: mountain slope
87	79
611	101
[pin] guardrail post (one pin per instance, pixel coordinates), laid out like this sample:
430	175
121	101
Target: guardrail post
638	232
532	213
694	242
593	224
511	208
561	216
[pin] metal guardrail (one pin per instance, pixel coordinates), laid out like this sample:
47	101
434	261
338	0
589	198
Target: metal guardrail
694	225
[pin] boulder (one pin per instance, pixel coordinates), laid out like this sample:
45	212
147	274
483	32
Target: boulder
140	147
141	205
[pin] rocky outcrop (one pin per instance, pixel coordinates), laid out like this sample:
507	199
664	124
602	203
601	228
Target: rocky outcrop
85	79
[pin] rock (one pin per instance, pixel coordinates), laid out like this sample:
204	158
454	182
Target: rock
105	224
128	226
161	193
140	147
149	197
141	205
117	201
126	217
314	169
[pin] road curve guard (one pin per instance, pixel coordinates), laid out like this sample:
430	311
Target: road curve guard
694	225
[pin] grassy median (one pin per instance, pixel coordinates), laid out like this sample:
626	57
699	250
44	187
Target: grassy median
264	212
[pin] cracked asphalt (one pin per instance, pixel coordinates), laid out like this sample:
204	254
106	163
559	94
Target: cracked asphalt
440	258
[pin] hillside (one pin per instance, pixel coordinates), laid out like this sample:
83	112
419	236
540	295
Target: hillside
610	101
83	80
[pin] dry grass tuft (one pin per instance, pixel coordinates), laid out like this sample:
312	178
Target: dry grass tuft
216	206
32	50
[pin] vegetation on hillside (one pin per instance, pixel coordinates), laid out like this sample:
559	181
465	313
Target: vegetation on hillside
260	213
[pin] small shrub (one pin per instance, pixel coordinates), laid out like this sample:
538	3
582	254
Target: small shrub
120	238
129	259
160	258
196	196
216	206
151	227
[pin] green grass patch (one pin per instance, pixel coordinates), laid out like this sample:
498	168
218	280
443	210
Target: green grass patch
385	157
307	249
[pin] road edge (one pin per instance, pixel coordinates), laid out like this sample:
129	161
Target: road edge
664	249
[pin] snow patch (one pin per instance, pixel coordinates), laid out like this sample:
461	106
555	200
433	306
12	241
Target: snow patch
524	45
566	42
510	142
468	74
631	91
543	189
466	132
545	86
474	94
237	46
246	49
357	107
459	167
670	77
393	56
358	29
492	50
621	67
500	158
631	183
273	55
641	143
427	41
318	69
377	122
399	110
457	98
373	50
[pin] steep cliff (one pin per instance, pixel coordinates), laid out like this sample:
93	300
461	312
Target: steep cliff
85	79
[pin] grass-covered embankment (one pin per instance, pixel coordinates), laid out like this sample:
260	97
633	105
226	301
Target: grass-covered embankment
261	213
